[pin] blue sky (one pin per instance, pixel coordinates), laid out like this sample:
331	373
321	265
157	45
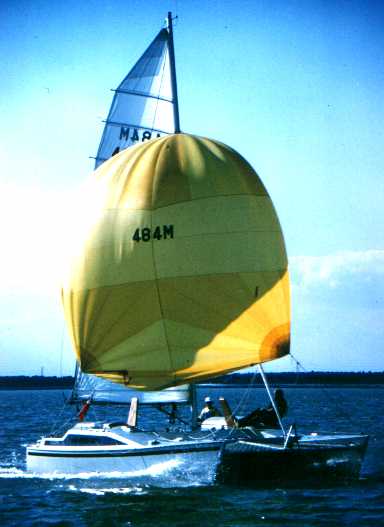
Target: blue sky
296	87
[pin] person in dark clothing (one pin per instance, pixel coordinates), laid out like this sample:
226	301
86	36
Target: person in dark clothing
281	402
266	417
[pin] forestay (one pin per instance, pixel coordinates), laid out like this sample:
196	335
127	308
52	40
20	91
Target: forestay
143	104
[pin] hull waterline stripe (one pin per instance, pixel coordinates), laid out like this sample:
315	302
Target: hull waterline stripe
136	453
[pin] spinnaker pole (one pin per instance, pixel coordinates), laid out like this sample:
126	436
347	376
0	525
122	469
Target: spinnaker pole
173	75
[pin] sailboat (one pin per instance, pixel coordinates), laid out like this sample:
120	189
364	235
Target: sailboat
181	275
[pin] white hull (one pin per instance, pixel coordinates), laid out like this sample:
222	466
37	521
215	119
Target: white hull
202	462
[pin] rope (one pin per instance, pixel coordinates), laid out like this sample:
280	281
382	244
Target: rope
58	426
243	399
333	399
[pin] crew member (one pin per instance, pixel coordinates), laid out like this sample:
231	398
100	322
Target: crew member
266	417
209	410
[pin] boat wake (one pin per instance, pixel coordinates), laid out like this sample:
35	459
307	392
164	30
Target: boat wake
153	471
167	474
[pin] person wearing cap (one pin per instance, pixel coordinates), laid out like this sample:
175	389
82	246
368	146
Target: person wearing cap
209	410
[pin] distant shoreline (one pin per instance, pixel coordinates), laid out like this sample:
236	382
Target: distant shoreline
330	385
284	379
36	382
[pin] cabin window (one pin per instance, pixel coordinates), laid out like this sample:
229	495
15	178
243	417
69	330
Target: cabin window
83	440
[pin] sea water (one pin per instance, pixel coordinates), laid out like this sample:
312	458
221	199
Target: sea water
167	495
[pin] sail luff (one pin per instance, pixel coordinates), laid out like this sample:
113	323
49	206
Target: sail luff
173	75
98	158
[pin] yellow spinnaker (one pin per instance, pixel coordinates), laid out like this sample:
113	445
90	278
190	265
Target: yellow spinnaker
183	271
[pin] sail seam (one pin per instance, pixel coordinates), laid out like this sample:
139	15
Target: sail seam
181	202
143	94
277	270
154	265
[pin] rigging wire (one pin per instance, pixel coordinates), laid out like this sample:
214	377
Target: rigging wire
58	424
61	349
333	399
160	87
176	11
244	399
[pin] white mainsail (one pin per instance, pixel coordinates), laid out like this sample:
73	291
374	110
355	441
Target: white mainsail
100	391
144	104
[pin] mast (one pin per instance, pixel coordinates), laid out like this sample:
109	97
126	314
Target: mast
192	391
173	75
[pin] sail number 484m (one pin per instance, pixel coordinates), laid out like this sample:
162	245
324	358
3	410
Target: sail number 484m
156	233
